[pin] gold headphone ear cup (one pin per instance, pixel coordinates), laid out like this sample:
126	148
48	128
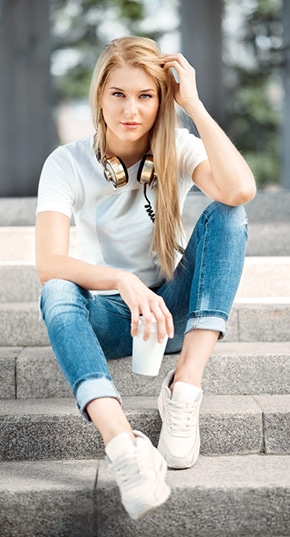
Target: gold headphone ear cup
145	173
115	172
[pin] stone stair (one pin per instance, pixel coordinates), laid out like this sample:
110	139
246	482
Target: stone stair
53	479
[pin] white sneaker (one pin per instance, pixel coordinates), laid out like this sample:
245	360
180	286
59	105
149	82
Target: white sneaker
179	441
140	472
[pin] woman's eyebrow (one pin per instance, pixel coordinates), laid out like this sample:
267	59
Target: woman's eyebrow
140	91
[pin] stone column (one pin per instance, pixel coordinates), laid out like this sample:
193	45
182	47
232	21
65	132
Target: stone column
26	128
201	39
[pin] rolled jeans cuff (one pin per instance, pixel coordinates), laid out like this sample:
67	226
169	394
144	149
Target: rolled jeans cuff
94	389
207	323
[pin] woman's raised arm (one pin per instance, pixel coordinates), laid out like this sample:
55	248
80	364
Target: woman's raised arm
225	177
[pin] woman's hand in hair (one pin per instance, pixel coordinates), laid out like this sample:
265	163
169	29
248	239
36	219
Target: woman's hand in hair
184	85
142	301
224	176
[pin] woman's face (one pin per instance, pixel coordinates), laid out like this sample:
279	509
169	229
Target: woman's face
130	104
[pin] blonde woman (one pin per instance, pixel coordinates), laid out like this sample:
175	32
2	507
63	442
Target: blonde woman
134	259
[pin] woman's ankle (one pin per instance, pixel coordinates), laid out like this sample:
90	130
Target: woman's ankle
108	417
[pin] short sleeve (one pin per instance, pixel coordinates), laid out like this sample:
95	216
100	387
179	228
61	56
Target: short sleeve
56	184
190	152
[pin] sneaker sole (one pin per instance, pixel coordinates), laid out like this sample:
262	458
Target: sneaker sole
142	513
180	463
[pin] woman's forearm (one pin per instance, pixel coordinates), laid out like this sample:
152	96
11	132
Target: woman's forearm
80	272
230	171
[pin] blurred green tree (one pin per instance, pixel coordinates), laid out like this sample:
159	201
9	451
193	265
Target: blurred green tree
252	55
254	89
79	31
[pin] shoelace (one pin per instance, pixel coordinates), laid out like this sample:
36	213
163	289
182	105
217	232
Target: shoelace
130	469
181	417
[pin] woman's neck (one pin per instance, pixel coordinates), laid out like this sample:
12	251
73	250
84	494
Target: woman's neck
129	153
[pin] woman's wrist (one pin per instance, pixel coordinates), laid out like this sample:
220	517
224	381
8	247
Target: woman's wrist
196	110
122	278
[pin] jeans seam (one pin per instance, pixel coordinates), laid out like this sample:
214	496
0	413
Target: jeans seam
200	285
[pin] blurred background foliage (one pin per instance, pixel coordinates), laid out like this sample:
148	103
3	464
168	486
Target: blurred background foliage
79	31
252	60
254	87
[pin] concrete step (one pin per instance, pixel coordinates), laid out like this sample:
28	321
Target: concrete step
269	239
45	429
20	324
234	368
269	221
262	277
266	206
253	319
17	244
231	496
269	231
17	211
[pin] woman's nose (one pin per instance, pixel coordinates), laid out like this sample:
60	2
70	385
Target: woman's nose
131	106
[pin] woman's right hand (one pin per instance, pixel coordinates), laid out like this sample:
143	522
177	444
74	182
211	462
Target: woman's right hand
53	261
142	301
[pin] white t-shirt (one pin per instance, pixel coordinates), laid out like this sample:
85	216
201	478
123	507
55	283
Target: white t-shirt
112	225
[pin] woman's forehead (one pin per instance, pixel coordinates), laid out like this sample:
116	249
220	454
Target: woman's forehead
128	76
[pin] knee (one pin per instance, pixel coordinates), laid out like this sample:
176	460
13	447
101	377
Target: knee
55	289
227	216
58	296
227	224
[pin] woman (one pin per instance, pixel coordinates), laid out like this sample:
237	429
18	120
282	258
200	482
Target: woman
134	260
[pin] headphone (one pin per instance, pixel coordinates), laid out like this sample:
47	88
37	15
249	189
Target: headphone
116	173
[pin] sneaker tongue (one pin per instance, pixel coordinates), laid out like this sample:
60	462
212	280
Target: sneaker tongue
183	392
117	446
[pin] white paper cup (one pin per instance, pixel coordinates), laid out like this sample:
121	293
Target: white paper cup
147	355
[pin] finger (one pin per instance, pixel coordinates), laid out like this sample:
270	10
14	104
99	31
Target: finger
164	320
176	59
178	56
170	326
134	321
169	323
160	324
173	82
175	66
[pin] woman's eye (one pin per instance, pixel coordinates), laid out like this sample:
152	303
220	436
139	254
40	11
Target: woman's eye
145	96
117	94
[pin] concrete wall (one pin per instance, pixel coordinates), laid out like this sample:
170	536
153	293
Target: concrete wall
26	132
201	40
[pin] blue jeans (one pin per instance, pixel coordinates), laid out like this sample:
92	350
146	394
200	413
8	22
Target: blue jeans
86	330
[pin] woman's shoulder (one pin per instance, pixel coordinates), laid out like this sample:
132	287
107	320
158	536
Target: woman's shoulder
69	162
187	141
190	151
73	150
183	134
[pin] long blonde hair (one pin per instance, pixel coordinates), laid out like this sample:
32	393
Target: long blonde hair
144	53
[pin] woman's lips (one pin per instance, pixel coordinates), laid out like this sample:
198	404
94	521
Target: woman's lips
130	125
